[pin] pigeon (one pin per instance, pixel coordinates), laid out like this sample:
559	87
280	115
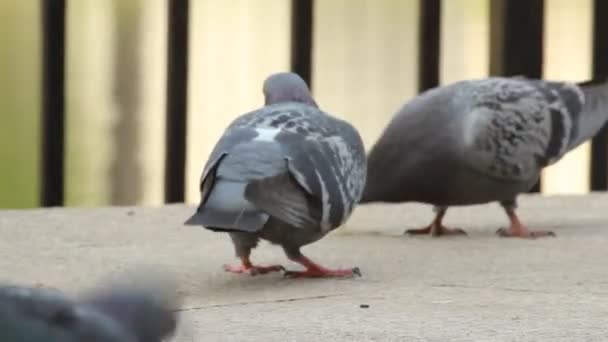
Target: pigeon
287	173
123	314
480	141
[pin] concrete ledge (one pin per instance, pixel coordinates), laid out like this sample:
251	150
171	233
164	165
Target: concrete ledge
476	288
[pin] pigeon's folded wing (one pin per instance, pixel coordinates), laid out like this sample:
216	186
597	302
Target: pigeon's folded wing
329	174
514	128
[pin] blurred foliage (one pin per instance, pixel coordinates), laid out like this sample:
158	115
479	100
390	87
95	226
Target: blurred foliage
19	103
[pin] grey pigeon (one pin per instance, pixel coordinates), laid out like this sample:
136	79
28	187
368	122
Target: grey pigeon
287	173
480	141
123	314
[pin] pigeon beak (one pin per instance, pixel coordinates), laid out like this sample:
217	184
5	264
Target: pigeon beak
195	220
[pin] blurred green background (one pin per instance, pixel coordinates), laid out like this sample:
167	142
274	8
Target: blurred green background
19	103
364	69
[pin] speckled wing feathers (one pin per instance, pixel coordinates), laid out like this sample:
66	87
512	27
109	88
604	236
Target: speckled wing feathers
518	126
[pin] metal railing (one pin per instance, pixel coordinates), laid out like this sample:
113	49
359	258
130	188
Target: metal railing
516	49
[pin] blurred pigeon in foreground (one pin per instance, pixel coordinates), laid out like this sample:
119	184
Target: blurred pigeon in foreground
288	173
110	314
480	141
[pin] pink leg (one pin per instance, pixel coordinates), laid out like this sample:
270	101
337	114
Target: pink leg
518	229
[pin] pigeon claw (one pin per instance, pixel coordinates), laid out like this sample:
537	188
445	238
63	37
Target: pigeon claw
252	270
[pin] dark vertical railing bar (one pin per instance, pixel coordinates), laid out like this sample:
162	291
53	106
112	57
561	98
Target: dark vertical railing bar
599	144
177	92
53	102
517	40
429	44
301	38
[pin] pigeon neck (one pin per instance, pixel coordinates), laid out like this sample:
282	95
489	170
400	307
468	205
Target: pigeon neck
299	98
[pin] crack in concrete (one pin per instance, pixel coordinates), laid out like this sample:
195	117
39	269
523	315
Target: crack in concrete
281	300
508	289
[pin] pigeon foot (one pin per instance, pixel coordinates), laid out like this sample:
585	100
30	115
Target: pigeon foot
518	229
314	270
248	268
436	231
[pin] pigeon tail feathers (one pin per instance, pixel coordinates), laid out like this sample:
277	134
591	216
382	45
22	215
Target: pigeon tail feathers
594	113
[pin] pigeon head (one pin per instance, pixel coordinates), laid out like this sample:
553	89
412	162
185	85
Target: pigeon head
286	87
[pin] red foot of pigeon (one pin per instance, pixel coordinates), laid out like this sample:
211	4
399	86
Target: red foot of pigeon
253	270
517	229
316	271
436	230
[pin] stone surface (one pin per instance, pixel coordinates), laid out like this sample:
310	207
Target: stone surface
475	288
